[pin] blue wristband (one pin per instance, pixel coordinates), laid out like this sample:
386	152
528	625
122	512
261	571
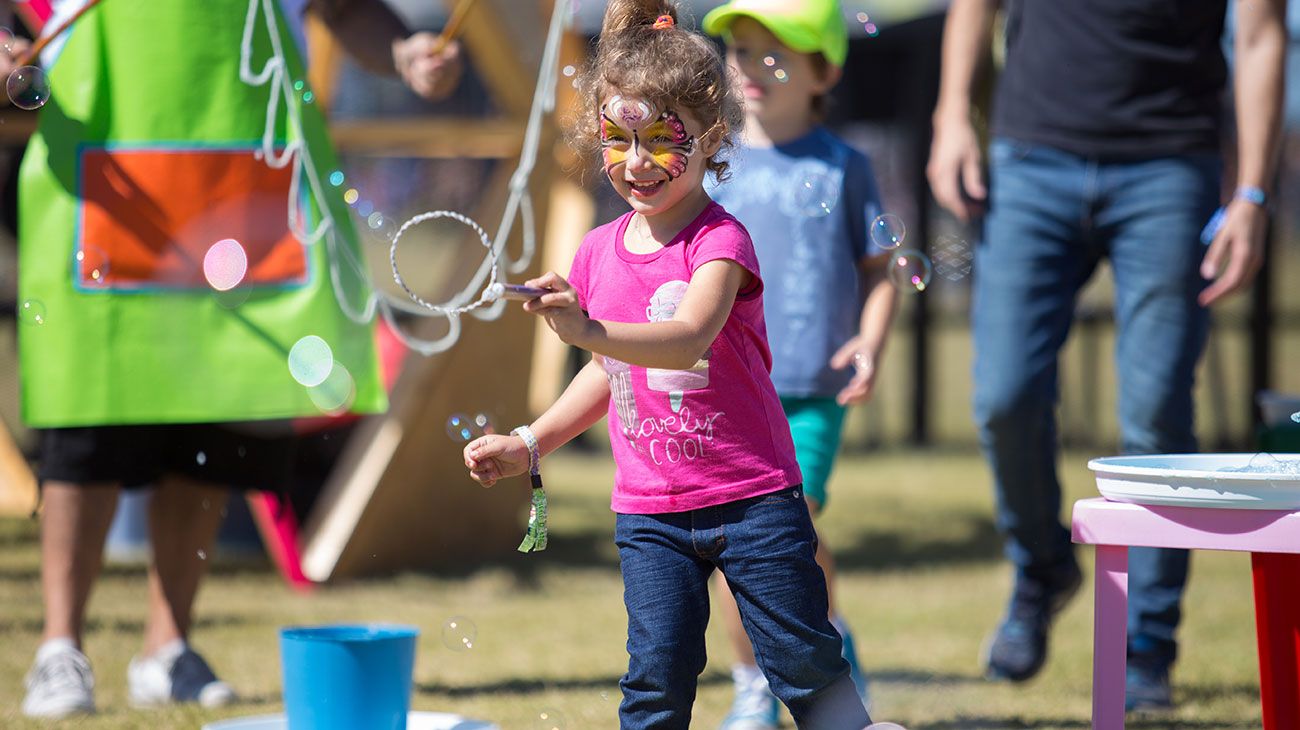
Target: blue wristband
1251	194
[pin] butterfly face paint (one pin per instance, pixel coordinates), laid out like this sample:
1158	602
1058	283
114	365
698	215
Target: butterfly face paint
629	127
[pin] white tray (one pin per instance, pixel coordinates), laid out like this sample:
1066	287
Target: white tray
414	721
1196	480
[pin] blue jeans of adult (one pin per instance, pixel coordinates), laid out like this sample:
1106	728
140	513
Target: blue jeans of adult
764	546
1053	217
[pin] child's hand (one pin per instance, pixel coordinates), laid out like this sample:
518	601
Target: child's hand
860	388
429	72
495	457
560	308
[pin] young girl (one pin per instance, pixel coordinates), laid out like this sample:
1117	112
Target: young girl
669	301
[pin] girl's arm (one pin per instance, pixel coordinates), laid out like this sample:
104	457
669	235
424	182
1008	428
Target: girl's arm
497	456
865	350
676	344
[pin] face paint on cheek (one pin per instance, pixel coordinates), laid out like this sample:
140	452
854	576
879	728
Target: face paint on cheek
613	158
670	146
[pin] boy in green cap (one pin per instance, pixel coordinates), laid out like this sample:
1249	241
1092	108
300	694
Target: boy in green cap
808	200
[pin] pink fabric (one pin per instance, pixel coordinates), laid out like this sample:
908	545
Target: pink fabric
686	439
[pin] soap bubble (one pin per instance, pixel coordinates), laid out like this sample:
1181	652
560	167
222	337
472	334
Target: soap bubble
32	312
28	88
310	361
909	270
548	719
336	178
888	231
92	265
459	633
225	264
336	393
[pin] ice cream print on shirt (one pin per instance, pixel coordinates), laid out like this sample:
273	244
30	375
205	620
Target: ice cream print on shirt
683	435
663	305
629	126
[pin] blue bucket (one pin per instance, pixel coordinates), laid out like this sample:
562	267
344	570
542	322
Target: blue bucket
346	677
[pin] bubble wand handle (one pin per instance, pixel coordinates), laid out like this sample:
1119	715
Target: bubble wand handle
452	29
40	44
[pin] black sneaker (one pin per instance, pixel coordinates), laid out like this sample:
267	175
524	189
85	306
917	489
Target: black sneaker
1018	649
1146	686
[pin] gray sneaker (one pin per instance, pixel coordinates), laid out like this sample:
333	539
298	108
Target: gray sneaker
176	673
60	682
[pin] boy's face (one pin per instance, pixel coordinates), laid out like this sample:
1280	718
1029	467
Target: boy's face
653	157
779	83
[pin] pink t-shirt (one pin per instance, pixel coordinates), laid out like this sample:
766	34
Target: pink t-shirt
686	439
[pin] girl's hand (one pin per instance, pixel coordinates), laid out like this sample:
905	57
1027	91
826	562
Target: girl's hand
560	308
855	354
495	457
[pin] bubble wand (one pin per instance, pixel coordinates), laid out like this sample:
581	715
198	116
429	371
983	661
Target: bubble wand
452	29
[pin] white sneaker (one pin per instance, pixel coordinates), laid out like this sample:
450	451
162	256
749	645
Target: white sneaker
755	707
60	682
175	673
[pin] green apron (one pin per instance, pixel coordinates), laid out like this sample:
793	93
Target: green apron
144	158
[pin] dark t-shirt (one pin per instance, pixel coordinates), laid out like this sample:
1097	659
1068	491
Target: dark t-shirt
1114	78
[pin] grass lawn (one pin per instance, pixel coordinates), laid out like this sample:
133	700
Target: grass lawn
921	581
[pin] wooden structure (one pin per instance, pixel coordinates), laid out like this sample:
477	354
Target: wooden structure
400	496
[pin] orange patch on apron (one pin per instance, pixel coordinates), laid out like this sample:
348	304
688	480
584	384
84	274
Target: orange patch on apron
151	215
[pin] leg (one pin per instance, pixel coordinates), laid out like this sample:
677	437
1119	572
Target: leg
665	588
769	563
74	524
1029	267
1108	637
1277	628
184	518
1153	225
1033	259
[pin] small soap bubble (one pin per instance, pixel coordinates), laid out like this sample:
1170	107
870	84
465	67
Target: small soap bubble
310	360
871	29
387	230
781	75
336	178
92	263
232	298
910	270
203	555
483	423
570	70
298	85
549	719
816	193
201	458
888	231
459	633
769	61
351	196
336	393
460	428
308	97
28	88
6	39
32	312
365	208
1296	417
225	264
375	220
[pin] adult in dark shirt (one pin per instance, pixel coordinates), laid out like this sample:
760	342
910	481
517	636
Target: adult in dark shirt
1105	145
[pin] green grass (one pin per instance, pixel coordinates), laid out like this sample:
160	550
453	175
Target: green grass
921	581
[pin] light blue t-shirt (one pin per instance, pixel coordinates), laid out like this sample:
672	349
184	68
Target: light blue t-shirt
808	205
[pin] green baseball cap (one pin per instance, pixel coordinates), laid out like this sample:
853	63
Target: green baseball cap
806	26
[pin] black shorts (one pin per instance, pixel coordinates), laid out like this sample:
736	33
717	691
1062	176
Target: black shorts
258	457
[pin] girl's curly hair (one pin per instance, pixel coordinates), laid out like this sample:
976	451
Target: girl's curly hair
670	67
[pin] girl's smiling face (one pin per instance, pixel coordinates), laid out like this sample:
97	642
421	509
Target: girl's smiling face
653	157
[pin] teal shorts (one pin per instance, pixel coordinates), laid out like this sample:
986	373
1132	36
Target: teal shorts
816	425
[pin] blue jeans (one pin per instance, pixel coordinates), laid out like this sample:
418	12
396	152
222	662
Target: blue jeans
764	546
1053	216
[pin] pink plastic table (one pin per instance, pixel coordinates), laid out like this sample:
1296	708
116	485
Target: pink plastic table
1273	539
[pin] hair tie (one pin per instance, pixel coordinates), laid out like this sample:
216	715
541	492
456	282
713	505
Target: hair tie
664	22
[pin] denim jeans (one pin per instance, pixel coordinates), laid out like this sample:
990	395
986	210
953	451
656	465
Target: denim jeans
1053	216
764	546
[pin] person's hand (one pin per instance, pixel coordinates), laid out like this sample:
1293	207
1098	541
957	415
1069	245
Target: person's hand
855	354
560	308
430	73
956	168
494	457
1236	253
